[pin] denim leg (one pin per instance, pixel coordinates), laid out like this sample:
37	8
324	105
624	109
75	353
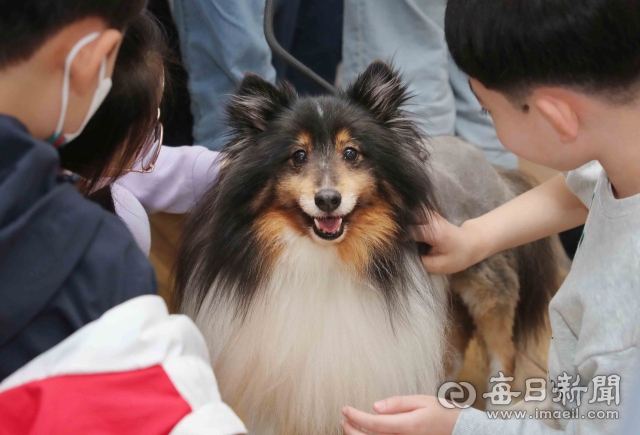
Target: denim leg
285	21
411	33
317	43
219	40
474	126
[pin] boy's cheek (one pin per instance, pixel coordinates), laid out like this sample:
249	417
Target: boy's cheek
509	136
522	140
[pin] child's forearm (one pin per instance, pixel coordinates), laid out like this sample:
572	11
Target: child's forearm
543	211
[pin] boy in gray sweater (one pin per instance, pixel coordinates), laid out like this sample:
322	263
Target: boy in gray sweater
561	80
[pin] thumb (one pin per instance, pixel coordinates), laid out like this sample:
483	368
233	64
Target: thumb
424	233
436	263
431	233
397	404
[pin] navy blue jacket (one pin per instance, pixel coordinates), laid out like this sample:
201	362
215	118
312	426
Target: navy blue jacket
64	260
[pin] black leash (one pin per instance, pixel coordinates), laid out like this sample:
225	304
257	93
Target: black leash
276	48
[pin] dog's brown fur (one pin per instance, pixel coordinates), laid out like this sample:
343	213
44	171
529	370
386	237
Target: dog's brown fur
501	300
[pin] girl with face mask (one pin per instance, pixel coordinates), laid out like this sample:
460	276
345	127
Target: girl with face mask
119	155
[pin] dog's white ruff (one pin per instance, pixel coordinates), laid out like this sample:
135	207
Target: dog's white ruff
318	338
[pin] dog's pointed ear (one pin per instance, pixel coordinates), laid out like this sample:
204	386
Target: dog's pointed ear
379	90
256	103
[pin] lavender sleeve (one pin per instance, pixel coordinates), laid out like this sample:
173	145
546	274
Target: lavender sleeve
181	176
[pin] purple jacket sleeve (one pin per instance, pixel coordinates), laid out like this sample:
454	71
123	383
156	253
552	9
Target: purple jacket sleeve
181	176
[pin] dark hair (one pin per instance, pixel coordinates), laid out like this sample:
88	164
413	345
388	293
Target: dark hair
120	131
26	24
513	46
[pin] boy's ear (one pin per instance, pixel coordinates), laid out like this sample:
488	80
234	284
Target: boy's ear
561	115
380	90
86	65
256	103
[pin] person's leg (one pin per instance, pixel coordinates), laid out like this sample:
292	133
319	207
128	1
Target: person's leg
410	32
220	40
317	43
285	21
474	126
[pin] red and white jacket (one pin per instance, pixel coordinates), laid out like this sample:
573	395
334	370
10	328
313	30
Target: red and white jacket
135	370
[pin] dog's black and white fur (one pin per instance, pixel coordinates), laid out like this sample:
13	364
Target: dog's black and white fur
307	308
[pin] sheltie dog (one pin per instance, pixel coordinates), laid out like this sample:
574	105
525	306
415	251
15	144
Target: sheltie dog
299	267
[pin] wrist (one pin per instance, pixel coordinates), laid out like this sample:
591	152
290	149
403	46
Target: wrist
448	421
480	244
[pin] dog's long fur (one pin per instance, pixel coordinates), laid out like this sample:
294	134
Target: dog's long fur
299	326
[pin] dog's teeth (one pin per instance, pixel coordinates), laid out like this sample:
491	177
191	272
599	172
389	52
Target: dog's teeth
315	221
340	223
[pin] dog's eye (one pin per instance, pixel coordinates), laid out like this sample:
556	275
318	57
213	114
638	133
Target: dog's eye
299	157
350	154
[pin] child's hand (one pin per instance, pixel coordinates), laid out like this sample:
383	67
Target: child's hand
452	248
413	415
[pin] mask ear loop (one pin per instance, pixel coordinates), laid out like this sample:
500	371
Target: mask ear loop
65	81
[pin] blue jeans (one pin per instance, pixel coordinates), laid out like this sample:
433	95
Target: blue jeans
219	40
411	32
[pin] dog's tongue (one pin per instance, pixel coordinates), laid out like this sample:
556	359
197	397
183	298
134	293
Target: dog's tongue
329	225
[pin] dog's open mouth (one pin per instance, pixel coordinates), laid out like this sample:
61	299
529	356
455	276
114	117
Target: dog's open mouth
328	228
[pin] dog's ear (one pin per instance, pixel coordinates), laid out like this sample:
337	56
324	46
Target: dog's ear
256	103
379	90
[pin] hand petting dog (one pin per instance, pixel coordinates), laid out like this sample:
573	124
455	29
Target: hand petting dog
411	415
452	248
514	223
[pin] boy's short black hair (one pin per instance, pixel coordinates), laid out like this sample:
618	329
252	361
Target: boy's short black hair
26	24
514	46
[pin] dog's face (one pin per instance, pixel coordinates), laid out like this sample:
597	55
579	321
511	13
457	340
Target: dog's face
335	169
346	171
327	186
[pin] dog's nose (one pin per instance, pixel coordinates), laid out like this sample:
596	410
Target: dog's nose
328	199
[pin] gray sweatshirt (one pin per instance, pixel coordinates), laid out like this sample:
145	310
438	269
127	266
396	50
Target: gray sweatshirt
594	319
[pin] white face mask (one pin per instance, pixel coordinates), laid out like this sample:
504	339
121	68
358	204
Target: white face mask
59	139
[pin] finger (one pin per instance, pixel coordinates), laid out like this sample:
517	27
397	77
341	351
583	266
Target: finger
350	429
398	423
394	405
425	233
435	263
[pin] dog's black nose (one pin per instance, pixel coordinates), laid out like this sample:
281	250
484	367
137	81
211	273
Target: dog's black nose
328	199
